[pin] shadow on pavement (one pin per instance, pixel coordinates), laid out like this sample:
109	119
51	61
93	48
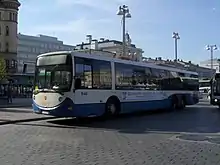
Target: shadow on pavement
3	120
191	120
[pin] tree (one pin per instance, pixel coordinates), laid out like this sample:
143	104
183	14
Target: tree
2	69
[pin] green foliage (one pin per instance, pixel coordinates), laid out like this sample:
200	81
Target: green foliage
2	69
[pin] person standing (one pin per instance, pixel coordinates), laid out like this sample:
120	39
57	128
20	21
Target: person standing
9	93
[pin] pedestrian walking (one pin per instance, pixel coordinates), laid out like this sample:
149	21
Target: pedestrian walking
9	93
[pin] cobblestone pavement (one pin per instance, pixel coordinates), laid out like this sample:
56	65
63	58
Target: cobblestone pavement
186	137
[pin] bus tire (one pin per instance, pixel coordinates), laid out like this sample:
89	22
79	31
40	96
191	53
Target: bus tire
112	107
174	103
182	103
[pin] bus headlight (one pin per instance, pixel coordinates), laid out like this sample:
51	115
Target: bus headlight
216	100
60	99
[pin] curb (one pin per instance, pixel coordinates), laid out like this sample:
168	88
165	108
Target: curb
15	106
26	120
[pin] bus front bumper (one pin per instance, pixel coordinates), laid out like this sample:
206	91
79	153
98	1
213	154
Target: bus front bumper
65	109
68	109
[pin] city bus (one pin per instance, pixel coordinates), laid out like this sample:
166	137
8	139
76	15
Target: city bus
204	88
76	84
215	90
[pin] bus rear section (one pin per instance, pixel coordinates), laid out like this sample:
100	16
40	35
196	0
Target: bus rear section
215	90
186	87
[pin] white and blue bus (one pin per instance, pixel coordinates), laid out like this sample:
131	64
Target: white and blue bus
76	84
215	90
204	88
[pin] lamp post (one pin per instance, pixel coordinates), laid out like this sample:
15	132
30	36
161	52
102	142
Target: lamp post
124	12
175	37
211	48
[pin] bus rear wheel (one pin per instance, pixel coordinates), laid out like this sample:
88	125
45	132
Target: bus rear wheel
182	103
174	103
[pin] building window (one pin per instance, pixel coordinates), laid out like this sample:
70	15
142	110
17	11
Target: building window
7	47
12	63
10	17
16	64
13	17
7	31
7	63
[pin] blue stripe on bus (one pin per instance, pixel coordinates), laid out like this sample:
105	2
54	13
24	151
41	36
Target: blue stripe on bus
84	110
128	107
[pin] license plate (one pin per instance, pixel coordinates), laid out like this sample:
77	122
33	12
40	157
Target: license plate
45	112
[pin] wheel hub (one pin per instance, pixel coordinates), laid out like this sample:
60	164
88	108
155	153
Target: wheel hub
112	108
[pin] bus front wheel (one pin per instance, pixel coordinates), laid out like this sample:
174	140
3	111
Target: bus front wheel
174	103
112	107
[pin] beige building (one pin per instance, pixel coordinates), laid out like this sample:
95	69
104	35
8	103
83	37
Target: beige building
112	48
207	64
204	72
8	33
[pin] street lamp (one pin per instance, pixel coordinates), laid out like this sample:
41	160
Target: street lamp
211	48
176	37
124	12
89	38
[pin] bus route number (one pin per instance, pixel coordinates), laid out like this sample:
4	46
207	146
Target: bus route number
84	93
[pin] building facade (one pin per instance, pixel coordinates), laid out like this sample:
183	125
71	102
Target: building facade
29	47
204	72
207	64
114	47
8	33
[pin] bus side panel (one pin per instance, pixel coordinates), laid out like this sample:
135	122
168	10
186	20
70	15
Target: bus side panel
128	107
191	99
92	102
157	100
85	110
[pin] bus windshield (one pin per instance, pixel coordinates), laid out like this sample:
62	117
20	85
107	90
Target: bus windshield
54	76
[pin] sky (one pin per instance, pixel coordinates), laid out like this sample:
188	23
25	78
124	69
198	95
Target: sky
150	28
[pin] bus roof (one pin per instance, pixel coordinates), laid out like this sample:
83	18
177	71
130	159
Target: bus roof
99	57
